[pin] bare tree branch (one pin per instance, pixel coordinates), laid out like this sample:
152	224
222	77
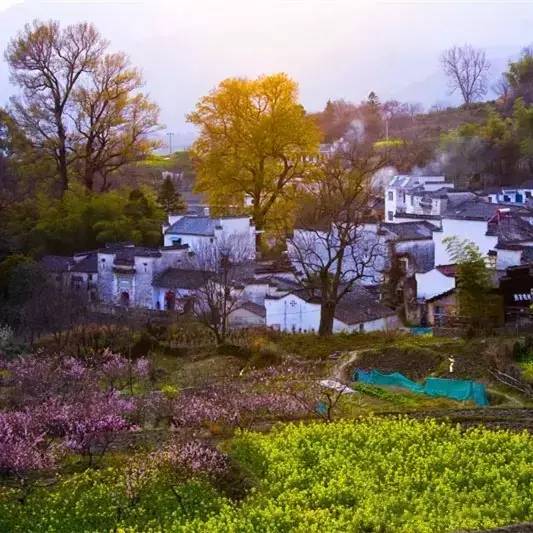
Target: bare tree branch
466	68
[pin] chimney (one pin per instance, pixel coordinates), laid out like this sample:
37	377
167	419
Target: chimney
206	211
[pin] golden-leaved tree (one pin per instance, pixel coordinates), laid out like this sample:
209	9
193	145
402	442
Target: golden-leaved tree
255	141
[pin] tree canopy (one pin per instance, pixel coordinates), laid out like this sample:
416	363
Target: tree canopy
254	141
79	106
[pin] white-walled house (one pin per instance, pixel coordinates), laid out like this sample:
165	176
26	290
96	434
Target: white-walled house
400	197
464	228
510	194
126	273
175	287
238	233
489	226
78	273
358	311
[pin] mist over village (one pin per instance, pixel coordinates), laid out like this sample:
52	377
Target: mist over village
266	267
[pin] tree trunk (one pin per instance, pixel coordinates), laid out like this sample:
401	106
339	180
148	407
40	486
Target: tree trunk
327	315
259	223
62	156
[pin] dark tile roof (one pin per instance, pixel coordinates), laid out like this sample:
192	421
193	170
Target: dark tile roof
476	210
417	216
439	193
409	231
527	255
447	270
89	264
127	254
457	197
513	229
441	295
193	225
274	266
254	308
56	263
284	284
360	305
176	278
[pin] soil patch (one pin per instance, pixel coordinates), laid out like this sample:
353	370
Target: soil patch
415	363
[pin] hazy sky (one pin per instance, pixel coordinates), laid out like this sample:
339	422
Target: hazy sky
333	48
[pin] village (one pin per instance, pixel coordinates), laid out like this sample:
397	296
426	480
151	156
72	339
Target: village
266	267
410	222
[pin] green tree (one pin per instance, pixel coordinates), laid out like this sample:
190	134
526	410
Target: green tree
476	304
254	141
81	221
523	130
169	197
520	76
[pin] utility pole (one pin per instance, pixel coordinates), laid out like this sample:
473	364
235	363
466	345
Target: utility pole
170	135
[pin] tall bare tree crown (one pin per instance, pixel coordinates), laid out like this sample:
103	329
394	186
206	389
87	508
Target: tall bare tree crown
466	68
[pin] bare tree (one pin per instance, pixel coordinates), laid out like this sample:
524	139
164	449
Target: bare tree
112	120
47	62
222	267
80	106
502	88
332	249
466	68
414	109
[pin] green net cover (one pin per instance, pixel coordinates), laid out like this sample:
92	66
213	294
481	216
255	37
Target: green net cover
457	389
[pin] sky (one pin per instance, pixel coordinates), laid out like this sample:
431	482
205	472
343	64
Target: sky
332	48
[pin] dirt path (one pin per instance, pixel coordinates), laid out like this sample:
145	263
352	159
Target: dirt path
339	370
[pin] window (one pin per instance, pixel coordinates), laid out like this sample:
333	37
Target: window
412	199
528	194
506	198
391	195
361	328
145	267
176	242
390	216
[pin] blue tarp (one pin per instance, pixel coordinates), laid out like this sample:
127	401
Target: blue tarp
421	331
457	389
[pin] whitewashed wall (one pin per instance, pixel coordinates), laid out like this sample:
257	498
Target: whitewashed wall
473	230
433	283
291	313
507	258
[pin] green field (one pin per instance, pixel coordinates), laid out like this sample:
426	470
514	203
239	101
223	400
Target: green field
366	476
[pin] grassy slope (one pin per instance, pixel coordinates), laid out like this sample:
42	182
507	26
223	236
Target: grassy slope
429	126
